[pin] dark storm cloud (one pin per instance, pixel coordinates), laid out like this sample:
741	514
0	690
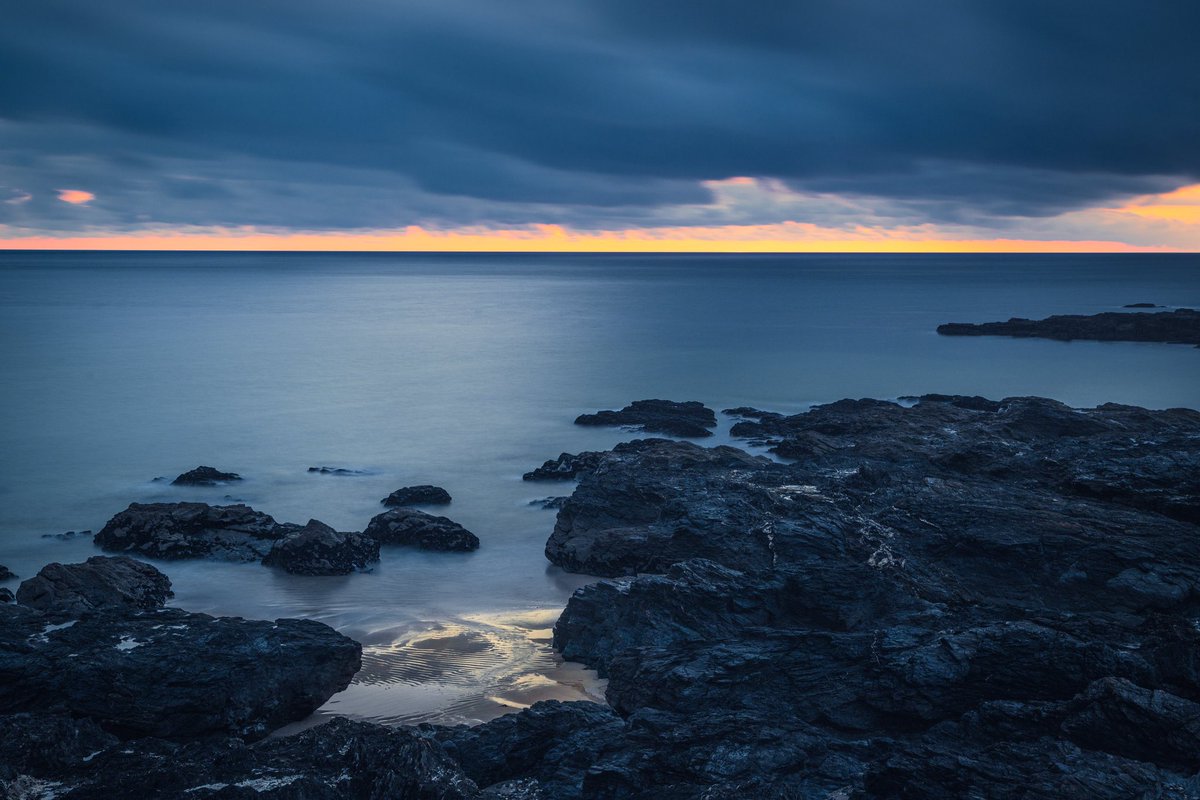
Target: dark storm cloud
320	114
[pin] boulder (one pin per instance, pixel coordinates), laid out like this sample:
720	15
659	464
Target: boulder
205	476
407	526
192	530
317	549
101	583
417	496
689	419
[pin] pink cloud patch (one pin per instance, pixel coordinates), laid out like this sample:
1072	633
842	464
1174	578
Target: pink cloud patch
75	197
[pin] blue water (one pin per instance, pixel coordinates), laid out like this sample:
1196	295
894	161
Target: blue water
465	371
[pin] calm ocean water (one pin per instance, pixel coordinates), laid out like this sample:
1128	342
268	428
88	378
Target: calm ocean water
465	371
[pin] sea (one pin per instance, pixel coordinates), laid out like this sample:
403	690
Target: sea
465	371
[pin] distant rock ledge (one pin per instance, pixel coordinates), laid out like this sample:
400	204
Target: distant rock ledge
1181	326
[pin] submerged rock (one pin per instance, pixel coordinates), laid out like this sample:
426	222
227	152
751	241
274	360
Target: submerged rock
192	530
205	476
336	471
688	419
100	583
407	526
317	549
1181	326
550	503
417	496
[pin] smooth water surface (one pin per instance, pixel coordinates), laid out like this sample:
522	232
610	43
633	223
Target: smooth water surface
465	371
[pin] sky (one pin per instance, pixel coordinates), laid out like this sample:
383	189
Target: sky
690	125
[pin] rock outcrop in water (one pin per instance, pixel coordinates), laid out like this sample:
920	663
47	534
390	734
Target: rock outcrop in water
407	526
112	655
100	583
317	549
1181	326
566	467
342	471
417	496
192	530
205	476
689	419
6	574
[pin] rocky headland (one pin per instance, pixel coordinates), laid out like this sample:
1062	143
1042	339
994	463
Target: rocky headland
1181	326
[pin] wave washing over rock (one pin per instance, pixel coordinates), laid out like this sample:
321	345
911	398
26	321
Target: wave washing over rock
950	597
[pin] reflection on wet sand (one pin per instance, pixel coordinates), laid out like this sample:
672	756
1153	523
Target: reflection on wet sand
466	670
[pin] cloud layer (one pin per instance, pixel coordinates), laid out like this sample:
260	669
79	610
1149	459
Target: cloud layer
597	114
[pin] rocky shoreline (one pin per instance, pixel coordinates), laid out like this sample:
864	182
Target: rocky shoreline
1181	326
943	598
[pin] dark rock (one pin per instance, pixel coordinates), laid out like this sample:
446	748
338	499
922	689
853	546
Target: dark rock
101	583
1141	305
553	742
205	476
192	530
341	759
337	471
1181	326
407	526
47	745
317	549
417	496
170	673
653	502
567	467
6	595
687	419
6	574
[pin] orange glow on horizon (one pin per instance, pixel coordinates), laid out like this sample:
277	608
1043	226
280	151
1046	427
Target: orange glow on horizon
778	238
1181	205
1170	217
